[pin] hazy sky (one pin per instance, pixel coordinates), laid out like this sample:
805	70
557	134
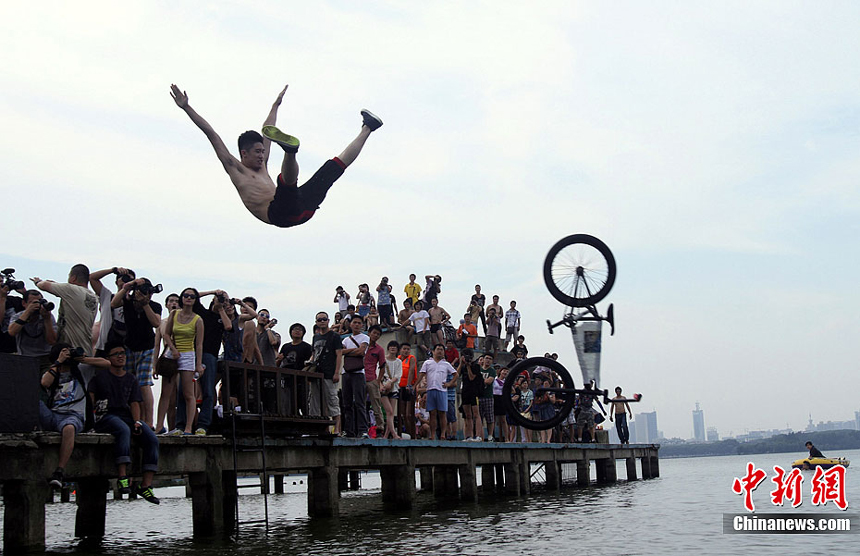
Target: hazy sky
713	146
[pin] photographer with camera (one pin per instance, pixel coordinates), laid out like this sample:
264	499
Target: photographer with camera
78	307
65	409
141	317
111	321
383	304
34	328
10	305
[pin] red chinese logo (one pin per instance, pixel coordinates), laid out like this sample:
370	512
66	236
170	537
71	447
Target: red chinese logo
747	484
829	486
787	486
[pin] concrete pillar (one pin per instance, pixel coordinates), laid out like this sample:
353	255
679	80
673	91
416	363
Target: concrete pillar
655	466
425	474
279	484
322	492
207	500
230	497
552	470
488	478
264	484
468	482
92	502
525	478
600	468
583	473
513	481
66	494
445	483
646	467
24	515
631	469
343	479
398	485
610	473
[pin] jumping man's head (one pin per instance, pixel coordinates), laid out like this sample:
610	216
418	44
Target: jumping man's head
251	150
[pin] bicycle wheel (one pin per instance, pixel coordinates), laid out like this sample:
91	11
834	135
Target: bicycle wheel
579	270
565	381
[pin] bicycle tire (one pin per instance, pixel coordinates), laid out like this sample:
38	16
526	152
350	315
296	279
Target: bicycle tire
511	409
579	278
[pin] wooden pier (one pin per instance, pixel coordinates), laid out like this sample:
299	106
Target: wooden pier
449	469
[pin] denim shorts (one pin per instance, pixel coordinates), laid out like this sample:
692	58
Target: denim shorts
56	422
437	400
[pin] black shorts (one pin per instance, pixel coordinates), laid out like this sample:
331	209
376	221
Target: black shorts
469	397
385	313
296	205
435	327
498	408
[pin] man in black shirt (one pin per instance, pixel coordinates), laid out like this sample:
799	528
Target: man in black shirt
116	408
297	353
813	451
328	356
142	316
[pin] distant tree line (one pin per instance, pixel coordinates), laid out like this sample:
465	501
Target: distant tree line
826	441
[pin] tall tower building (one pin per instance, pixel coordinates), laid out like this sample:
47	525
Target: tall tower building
648	433
698	424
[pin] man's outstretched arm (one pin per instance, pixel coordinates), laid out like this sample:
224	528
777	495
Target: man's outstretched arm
272	118
227	160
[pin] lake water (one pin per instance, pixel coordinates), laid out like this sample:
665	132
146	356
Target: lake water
679	512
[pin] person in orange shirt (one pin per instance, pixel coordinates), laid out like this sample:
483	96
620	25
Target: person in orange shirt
406	393
468	330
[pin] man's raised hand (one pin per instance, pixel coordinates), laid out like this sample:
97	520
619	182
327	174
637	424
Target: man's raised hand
181	98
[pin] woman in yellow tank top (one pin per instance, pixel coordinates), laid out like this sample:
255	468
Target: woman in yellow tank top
184	336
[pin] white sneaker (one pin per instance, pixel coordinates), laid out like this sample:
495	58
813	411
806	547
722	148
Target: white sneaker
490	439
175	432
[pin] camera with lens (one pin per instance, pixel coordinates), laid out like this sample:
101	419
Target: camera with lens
468	355
76	352
221	298
147	288
46	304
9	280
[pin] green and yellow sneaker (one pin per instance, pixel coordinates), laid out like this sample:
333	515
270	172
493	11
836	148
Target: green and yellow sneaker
123	485
289	143
148	495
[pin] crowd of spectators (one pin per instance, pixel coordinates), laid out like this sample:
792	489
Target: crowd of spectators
117	333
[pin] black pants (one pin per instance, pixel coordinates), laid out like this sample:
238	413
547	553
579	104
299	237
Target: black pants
621	428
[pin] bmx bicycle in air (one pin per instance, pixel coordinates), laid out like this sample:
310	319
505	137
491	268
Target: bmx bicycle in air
579	271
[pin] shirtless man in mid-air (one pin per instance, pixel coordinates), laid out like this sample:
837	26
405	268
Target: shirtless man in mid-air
287	204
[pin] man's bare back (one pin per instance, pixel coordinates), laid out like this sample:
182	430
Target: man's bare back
250	174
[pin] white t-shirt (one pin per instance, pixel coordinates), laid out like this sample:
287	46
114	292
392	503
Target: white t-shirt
347	344
424	318
437	373
343	303
393	371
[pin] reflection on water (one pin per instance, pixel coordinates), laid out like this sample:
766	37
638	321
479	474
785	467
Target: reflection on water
681	511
